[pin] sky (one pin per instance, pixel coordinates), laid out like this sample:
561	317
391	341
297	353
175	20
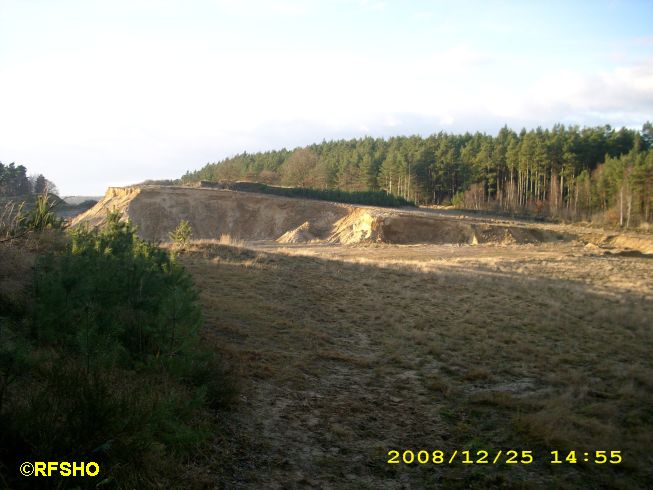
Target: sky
101	93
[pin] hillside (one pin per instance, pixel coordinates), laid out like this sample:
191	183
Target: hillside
212	213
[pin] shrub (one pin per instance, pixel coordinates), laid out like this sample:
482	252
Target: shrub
111	291
42	216
16	222
182	234
458	200
107	366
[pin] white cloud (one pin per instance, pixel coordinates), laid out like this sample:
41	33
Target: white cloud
94	100
267	7
622	94
373	5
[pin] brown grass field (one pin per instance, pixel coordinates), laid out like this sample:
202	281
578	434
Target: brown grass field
345	353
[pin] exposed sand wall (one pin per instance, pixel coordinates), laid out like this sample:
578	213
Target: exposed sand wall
212	212
249	216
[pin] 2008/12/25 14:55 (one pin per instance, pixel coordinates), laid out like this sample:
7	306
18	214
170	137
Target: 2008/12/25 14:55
507	457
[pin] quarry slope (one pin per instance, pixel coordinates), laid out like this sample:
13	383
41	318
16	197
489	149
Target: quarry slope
157	210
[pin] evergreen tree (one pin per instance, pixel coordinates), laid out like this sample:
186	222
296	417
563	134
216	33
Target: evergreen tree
557	171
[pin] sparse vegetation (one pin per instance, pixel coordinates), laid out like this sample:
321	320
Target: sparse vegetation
19	219
353	352
227	239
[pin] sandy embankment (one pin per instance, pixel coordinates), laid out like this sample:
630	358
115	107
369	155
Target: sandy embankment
249	216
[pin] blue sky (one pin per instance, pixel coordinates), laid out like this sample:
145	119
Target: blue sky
105	93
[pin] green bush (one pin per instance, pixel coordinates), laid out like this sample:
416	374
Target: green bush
115	295
182	234
41	216
458	200
107	365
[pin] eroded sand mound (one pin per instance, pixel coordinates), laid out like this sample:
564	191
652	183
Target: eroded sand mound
641	244
249	216
301	234
627	244
407	228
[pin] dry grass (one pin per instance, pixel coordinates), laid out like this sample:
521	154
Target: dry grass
536	348
225	239
11	214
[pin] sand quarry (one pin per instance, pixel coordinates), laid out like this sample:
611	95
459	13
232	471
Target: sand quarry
355	330
251	217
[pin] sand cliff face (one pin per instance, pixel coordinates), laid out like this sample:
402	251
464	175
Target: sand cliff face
156	211
213	212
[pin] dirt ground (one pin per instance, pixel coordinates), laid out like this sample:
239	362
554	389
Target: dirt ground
345	353
356	331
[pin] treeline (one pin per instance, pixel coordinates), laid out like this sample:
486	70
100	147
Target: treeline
15	182
372	198
597	173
